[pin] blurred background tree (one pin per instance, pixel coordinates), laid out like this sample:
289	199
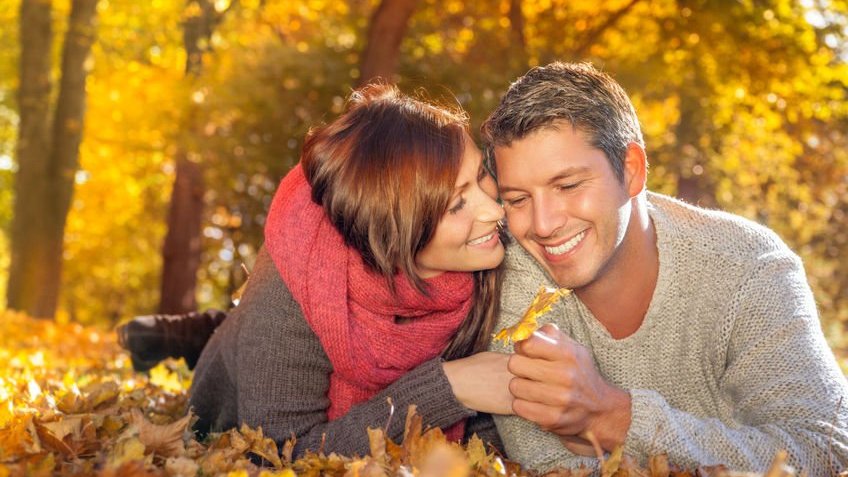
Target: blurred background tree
744	107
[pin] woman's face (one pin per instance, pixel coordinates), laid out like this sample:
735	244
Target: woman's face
466	238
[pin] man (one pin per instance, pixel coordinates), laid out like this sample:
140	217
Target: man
689	332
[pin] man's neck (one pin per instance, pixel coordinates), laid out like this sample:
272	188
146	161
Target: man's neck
620	298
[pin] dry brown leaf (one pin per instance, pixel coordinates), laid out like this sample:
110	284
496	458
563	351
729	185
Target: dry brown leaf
181	467
52	442
64	426
165	440
264	447
131	469
476	452
377	443
288	449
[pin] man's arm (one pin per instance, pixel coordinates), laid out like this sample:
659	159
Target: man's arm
558	387
784	385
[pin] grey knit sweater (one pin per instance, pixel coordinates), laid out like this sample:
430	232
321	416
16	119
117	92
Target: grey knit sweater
264	366
729	365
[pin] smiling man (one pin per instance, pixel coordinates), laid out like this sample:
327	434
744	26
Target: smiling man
690	332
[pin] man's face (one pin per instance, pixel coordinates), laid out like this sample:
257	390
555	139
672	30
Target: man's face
563	203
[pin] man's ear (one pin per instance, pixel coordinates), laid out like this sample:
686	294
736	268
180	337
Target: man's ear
635	169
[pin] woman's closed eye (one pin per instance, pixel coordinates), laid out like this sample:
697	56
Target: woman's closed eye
458	205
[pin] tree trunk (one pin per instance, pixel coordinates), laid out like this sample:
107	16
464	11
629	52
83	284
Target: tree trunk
693	185
516	24
182	249
47	164
28	268
385	33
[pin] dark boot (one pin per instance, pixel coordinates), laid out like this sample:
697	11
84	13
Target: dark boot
152	338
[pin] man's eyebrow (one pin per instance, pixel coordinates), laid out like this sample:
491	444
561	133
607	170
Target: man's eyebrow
561	175
566	173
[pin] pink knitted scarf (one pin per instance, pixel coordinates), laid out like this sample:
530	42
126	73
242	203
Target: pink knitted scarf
350	307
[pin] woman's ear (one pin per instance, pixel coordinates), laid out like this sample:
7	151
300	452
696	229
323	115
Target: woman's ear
635	169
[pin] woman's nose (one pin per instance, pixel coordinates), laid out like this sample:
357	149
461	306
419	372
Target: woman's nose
489	210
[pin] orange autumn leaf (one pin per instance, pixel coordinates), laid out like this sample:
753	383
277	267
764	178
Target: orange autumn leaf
542	303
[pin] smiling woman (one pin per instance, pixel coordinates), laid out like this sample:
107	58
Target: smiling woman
380	261
467	237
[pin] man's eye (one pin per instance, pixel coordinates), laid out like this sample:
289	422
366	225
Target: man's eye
568	186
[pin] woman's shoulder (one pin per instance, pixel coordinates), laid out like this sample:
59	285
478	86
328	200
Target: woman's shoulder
267	309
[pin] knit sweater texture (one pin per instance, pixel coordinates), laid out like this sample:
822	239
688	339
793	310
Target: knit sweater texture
729	365
265	367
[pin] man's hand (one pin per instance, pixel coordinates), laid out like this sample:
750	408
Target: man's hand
558	387
481	382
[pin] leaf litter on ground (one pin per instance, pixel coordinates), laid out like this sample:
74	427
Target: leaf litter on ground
70	405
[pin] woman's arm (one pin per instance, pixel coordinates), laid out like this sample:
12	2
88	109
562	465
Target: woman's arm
282	378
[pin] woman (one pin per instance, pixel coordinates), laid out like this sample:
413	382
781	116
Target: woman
379	264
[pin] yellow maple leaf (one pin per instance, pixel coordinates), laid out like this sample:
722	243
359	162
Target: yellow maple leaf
542	303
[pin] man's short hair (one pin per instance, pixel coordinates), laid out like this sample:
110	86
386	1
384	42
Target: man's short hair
590	100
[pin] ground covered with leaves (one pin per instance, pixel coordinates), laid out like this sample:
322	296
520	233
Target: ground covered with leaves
70	405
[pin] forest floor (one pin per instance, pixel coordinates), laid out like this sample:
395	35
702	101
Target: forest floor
71	405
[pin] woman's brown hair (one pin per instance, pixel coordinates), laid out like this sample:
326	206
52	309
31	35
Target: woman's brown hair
385	172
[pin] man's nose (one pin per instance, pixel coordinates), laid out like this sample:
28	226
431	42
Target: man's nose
548	217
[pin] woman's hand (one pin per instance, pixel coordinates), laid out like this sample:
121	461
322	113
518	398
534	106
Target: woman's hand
481	382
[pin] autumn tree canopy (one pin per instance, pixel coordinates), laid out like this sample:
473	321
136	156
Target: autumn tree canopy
743	106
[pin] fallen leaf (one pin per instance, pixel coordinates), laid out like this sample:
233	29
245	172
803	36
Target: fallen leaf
126	450
476	451
658	465
377	443
264	447
181	467
165	440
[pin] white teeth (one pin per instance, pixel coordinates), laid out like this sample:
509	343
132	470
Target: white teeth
561	249
480	240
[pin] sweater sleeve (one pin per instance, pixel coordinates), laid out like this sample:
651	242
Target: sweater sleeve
785	387
282	376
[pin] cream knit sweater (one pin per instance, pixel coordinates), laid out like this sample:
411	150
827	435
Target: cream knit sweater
729	365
